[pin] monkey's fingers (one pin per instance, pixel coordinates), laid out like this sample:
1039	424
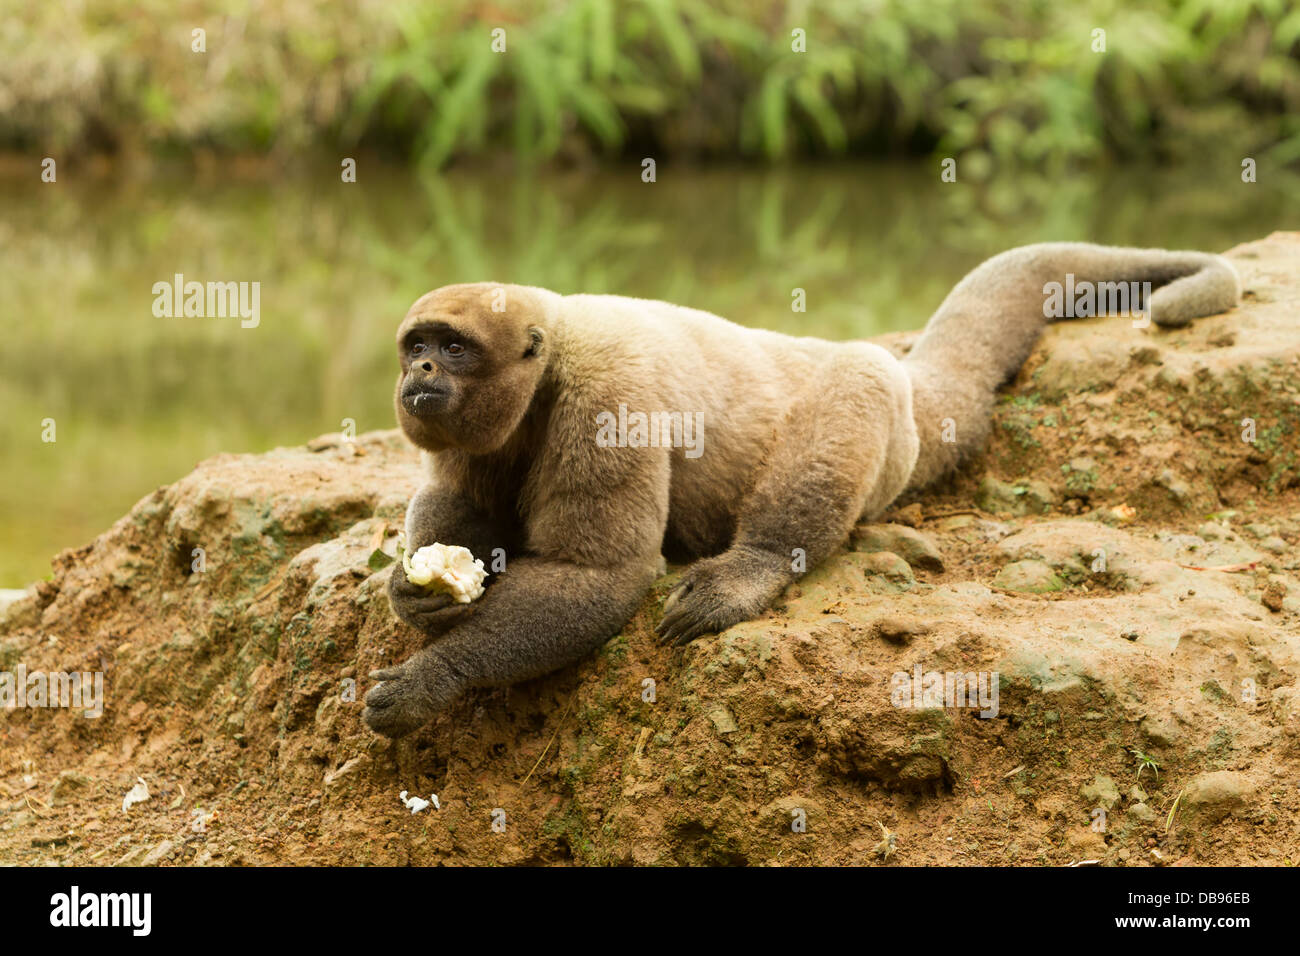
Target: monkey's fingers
675	616
398	705
399	583
431	613
423	607
680	633
676	594
689	618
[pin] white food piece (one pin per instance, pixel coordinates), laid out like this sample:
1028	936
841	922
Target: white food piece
446	567
137	794
416	804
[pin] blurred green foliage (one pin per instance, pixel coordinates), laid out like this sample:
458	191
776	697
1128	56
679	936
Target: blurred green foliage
988	81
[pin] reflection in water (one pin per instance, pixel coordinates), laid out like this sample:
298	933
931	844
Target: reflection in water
137	400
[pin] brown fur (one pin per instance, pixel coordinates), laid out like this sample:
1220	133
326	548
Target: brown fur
802	438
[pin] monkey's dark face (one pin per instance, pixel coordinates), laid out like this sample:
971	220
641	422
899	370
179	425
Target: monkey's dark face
468	371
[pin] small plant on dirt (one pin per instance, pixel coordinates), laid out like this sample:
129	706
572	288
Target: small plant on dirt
1145	762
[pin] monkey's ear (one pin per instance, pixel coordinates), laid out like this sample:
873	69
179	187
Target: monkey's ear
535	340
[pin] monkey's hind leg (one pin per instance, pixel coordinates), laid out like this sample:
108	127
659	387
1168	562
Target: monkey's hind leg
812	489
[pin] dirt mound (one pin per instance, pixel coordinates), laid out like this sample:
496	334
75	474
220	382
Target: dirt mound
1123	558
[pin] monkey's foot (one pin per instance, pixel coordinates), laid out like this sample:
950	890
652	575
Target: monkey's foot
408	696
719	592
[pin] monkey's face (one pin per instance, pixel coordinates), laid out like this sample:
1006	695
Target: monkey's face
471	357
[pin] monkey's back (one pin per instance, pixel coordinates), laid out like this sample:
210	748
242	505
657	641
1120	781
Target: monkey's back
744	383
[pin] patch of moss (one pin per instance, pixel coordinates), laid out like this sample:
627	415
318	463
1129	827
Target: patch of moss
566	827
1212	691
1079	482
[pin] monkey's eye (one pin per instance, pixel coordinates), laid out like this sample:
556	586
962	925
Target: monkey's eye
454	348
419	348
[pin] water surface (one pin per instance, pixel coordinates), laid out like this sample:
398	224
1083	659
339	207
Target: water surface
138	400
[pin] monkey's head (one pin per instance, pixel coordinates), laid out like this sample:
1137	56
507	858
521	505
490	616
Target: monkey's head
471	359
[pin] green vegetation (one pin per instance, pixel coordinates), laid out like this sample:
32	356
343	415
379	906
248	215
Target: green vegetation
989	82
1079	481
1145	762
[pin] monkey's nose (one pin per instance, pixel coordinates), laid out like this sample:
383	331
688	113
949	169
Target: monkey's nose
427	366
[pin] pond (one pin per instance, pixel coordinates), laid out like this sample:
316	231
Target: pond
137	398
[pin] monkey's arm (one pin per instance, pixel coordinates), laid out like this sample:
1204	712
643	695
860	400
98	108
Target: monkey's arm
440	513
594	541
540	616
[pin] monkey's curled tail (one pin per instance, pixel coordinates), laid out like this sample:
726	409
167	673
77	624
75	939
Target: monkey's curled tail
987	326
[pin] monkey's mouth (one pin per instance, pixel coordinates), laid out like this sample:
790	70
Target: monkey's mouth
423	401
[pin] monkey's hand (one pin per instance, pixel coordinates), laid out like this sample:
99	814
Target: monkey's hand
410	694
719	592
432	612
